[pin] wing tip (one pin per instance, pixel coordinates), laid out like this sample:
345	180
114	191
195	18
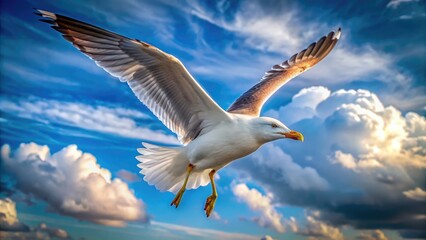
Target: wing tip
338	33
45	14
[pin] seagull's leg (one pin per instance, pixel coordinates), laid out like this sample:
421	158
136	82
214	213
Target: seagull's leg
179	195
212	198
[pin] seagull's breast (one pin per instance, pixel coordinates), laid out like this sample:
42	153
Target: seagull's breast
227	142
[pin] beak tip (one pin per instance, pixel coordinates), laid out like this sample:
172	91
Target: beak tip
294	135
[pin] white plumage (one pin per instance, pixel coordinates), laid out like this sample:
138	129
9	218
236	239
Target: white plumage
211	137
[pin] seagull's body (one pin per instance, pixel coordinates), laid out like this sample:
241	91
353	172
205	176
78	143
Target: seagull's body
227	142
211	137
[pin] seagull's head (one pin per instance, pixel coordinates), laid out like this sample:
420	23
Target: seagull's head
269	129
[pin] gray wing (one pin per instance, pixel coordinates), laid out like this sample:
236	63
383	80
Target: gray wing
158	79
251	102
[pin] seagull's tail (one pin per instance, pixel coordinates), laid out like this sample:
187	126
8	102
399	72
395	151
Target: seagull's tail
165	168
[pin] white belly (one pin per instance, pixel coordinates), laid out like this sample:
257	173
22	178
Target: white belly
219	147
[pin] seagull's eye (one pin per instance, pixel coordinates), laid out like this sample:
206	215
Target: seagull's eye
273	125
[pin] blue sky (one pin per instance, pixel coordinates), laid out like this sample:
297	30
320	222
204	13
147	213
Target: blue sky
69	130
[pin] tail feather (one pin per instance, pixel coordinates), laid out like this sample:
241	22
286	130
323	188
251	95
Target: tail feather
165	168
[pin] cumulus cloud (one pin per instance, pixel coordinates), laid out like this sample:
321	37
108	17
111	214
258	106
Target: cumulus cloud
371	134
303	105
8	217
72	183
417	194
372	235
111	120
269	217
318	230
367	155
12	228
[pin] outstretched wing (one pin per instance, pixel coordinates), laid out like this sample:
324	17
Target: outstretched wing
251	102
158	79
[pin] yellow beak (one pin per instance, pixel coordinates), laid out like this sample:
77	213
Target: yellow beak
294	135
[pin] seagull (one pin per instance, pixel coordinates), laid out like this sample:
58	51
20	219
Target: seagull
211	137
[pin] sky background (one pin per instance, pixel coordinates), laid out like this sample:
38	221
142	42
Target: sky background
69	130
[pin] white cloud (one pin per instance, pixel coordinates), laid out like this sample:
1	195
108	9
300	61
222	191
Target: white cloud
348	161
367	133
372	235
395	3
111	120
260	29
363	62
203	233
417	194
72	183
337	99
269	217
303	105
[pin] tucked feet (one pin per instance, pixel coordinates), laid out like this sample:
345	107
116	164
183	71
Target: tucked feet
208	208
177	199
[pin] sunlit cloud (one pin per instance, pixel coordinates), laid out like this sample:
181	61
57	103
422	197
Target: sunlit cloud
72	183
417	194
12	228
364	151
9	218
372	235
316	229
256	201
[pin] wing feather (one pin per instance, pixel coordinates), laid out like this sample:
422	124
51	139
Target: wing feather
251	102
158	79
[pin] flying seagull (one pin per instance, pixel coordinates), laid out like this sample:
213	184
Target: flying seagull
211	137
